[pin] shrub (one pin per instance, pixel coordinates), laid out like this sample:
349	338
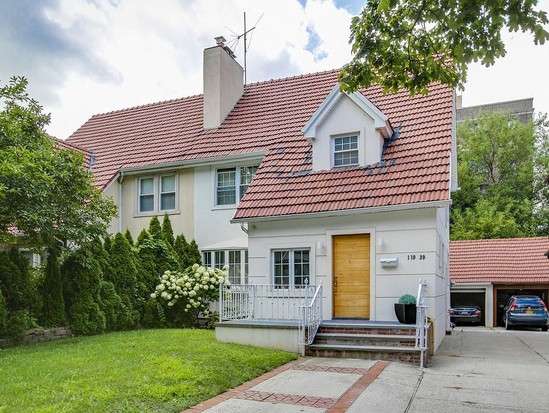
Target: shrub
15	280
18	323
407	299
86	316
195	288
3	315
82	278
54	305
167	230
155	229
129	237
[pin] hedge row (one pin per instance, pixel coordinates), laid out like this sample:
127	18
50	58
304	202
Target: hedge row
102	286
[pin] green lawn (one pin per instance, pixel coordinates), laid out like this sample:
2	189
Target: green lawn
136	371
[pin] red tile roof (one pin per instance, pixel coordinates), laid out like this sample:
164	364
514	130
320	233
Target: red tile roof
500	261
269	117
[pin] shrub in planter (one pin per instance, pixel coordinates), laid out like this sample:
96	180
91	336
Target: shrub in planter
405	309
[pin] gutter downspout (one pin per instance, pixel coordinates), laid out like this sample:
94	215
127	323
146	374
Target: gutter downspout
120	180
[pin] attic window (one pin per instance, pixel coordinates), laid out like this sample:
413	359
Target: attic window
346	151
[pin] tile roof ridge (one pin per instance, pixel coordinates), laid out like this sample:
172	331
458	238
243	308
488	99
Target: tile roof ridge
486	240
145	105
282	79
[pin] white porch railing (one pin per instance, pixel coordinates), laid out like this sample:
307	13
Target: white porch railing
264	302
422	324
311	319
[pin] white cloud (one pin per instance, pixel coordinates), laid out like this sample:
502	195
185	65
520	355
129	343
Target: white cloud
101	55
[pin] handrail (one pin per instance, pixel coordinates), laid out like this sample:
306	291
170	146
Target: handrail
311	318
422	324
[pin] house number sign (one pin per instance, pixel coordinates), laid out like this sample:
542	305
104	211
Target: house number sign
413	257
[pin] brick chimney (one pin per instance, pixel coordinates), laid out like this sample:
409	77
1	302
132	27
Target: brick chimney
223	83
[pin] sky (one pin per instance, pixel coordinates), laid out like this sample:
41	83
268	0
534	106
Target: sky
84	57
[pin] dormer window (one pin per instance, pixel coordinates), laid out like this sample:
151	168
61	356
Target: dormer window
346	151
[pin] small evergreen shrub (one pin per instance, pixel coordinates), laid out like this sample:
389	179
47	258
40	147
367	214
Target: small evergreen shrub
18	323
54	304
3	315
167	230
407	299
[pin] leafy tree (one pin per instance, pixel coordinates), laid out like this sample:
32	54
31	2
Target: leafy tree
503	166
412	43
54	305
167	231
46	193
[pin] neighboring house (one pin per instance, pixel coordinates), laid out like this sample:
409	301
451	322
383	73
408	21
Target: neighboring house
487	272
523	109
292	182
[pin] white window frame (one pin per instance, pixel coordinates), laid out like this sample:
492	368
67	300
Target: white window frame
160	193
157	194
139	194
291	264
346	151
238	192
220	258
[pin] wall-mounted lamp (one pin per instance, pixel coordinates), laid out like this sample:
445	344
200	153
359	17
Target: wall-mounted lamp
380	242
320	248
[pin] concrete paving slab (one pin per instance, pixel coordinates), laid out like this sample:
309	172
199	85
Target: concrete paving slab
250	406
423	406
390	392
309	383
516	394
329	362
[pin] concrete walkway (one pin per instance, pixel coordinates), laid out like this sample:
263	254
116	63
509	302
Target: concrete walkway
474	370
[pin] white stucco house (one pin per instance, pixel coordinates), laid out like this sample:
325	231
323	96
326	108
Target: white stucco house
292	182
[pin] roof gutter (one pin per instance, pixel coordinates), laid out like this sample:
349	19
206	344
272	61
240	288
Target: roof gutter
347	212
194	163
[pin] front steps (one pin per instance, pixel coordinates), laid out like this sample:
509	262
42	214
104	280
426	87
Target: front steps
366	340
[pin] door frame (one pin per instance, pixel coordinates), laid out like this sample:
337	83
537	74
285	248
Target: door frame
329	294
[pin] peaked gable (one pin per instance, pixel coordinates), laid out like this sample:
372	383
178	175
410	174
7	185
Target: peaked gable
381	121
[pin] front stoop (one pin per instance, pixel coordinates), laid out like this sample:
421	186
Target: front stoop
366	341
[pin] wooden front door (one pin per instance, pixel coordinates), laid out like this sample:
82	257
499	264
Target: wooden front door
351	276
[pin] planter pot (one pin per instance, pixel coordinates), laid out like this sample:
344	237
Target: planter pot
406	313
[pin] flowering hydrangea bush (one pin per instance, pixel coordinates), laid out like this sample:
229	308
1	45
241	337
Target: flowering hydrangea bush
196	288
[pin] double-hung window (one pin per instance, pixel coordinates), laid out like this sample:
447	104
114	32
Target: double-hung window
157	194
291	267
236	260
346	151
232	183
146	195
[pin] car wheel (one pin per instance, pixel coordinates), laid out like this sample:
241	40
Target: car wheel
544	328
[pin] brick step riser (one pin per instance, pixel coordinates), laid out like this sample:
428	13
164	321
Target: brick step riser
411	358
362	341
392	331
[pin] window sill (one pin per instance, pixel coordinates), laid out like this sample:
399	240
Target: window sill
157	213
224	207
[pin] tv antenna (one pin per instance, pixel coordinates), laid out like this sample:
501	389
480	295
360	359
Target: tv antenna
244	35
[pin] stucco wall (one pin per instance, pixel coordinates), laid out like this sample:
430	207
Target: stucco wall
346	118
406	235
182	218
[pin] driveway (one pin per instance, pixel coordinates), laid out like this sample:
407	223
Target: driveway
474	370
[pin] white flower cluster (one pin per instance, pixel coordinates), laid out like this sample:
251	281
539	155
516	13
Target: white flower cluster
197	286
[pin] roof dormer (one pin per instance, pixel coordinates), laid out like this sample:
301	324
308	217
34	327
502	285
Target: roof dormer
346	130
